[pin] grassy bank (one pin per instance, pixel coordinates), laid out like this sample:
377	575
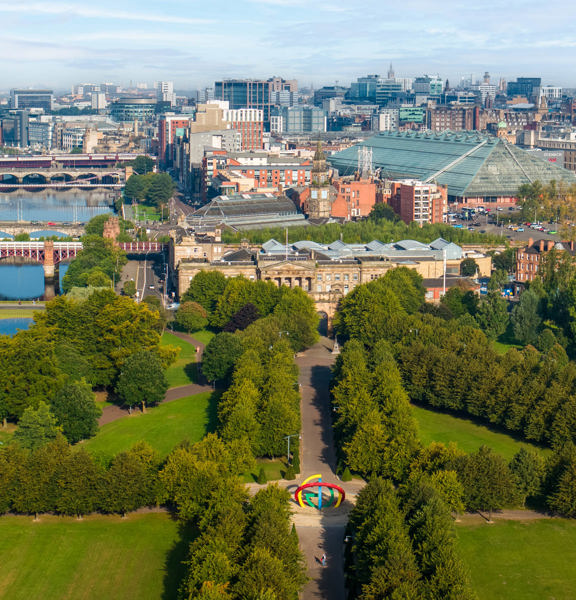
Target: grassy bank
439	427
163	426
516	560
98	557
183	371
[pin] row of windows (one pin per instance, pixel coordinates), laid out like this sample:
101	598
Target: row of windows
328	277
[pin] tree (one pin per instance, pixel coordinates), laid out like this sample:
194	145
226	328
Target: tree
468	267
75	410
79	484
129	288
190	317
242	318
143	164
492	315
206	288
383	212
505	260
526	319
527	466
37	427
488	482
135	188
142	379
160	188
220	355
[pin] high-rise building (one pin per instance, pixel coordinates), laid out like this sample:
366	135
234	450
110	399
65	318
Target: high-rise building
253	93
98	100
250	123
523	86
25	99
301	119
420	202
165	92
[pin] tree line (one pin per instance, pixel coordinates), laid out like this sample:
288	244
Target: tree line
384	227
377	435
261	327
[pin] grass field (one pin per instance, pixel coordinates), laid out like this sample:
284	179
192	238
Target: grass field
183	371
99	557
17	313
146	213
439	427
503	347
515	560
203	336
274	470
162	427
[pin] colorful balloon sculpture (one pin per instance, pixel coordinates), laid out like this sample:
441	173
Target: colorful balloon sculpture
306	493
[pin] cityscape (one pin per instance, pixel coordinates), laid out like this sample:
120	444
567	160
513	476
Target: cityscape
287	301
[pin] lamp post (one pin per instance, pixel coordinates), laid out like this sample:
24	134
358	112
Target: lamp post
287	438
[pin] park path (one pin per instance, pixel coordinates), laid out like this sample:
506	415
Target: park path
320	532
113	413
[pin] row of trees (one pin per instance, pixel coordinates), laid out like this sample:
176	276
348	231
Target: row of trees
553	201
382	225
449	363
404	546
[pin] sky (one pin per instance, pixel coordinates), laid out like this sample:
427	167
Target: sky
195	42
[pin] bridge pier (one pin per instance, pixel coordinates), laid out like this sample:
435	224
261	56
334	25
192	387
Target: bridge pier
50	269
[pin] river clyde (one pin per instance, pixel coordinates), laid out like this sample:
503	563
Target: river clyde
26	281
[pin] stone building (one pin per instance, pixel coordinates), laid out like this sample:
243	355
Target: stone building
326	271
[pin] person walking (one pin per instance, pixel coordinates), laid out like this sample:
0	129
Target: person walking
323	559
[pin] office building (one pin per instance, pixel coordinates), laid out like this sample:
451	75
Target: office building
301	119
165	92
250	123
418	202
133	109
27	99
98	101
524	86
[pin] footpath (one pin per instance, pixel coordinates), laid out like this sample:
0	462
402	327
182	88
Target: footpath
321	532
113	413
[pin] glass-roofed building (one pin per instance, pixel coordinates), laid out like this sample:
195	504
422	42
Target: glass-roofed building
477	169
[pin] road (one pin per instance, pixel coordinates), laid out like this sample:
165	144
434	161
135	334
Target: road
320	532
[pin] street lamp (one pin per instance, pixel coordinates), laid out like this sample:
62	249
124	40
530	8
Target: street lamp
287	438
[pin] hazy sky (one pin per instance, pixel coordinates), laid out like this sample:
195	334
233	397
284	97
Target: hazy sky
193	43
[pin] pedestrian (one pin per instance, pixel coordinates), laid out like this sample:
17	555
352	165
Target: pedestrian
323	559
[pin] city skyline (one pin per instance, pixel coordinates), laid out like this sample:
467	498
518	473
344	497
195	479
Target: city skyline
57	44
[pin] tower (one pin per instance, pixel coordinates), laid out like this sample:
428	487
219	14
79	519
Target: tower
391	74
320	203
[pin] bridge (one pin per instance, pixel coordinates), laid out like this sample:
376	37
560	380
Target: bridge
36	179
51	254
14	228
68	161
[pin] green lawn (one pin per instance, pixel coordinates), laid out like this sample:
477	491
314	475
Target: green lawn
17	313
515	560
274	470
99	557
162	427
503	347
203	336
439	427
183	371
146	213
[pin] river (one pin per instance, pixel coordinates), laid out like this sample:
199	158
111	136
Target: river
26	282
75	206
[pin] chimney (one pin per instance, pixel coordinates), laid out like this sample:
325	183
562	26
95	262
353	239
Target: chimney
550	244
542	245
530	243
572	245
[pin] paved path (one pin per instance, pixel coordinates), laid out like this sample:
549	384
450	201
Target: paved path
320	532
113	412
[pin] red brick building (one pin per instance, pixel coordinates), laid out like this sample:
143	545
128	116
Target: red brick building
529	258
354	198
169	126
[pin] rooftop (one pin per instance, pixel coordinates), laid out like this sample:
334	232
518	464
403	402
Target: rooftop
469	163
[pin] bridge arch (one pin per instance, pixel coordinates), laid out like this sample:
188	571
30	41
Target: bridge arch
34	178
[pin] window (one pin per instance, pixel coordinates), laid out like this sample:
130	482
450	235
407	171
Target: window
346	276
328	277
355	277
328	287
318	277
337	277
319	288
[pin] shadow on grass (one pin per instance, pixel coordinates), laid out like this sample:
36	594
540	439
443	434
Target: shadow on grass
174	569
193	372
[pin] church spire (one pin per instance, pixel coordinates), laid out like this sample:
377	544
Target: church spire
391	72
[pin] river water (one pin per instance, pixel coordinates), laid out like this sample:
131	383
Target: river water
74	206
26	282
11	326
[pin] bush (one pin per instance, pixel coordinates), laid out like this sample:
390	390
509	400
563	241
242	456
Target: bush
346	475
262	479
296	462
290	474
